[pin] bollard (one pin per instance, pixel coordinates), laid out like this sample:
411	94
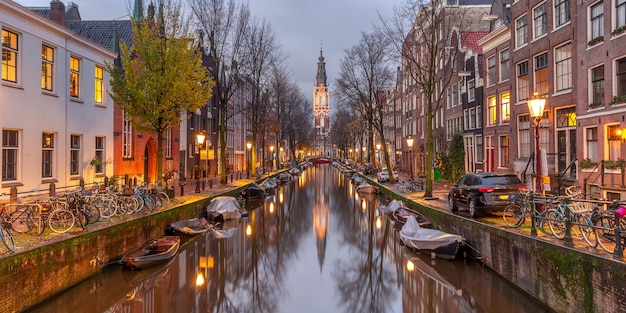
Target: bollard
210	183
231	178
106	182
52	192
203	186
13	195
182	190
81	183
126	180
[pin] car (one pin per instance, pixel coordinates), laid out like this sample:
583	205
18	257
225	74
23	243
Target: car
483	192
368	169
383	175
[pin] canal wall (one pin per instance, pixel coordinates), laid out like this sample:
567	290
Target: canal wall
32	276
563	278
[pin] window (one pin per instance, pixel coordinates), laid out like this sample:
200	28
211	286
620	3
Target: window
492	117
597	25
523	135
503	151
479	116
491	71
597	87
472	118
563	64
10	50
504	65
448	98
471	90
541	73
523	89
591	142
455	95
620	77
540	21
74	77
521	31
620	13
47	66
561	12
505	108
479	149
99	84
47	154
168	142
99	155
74	154
10	149
127	137
614	142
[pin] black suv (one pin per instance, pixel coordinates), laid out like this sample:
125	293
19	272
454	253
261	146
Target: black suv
485	192
368	169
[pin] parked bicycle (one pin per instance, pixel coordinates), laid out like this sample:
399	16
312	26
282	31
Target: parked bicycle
5	230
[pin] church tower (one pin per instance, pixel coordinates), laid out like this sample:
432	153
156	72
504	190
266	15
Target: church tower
321	110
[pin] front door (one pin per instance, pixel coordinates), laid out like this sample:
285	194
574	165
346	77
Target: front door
566	140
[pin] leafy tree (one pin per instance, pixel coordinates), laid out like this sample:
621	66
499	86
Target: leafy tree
454	162
161	74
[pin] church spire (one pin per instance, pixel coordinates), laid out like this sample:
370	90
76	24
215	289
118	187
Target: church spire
321	69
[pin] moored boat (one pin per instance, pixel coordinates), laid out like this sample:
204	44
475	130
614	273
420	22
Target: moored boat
154	252
253	190
222	208
399	213
366	187
189	227
442	244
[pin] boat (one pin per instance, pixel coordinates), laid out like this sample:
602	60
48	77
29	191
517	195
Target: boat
154	252
189	227
399	213
269	185
223	208
226	229
295	171
253	190
357	179
284	178
134	278
322	161
442	244
366	187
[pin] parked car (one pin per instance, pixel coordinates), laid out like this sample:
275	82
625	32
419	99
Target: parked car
383	175
368	169
483	192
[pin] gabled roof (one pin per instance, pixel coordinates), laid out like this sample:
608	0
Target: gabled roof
469	40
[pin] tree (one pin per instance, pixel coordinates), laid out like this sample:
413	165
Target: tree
364	73
422	33
454	161
161	74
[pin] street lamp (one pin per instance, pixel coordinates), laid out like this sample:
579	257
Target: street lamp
249	146
272	156
200	137
536	106
378	154
363	154
409	142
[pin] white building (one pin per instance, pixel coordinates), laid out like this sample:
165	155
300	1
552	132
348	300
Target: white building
55	114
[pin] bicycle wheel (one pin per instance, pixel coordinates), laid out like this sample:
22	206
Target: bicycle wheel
61	221
557	225
93	210
165	199
20	220
7	238
149	202
38	223
513	215
605	232
140	202
587	231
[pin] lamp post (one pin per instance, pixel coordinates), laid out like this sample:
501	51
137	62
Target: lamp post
378	155
200	137
409	142
272	157
249	165
536	105
281	156
363	154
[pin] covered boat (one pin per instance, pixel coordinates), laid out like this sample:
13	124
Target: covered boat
222	208
444	245
366	187
269	185
190	227
253	190
154	252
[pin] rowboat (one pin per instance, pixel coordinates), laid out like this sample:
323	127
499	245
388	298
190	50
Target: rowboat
155	251
399	213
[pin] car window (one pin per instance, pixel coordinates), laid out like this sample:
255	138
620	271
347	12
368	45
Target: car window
500	180
461	181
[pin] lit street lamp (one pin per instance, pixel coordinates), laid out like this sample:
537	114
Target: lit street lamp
409	142
378	155
363	154
272	157
249	146
200	138
536	106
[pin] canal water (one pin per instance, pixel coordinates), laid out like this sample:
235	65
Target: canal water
313	246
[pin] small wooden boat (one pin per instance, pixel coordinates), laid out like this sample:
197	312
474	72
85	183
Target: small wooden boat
156	251
442	244
399	213
366	187
190	227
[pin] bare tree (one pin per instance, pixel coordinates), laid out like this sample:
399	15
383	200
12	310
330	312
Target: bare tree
365	72
422	33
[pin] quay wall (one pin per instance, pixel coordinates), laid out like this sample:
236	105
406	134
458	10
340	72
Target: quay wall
563	278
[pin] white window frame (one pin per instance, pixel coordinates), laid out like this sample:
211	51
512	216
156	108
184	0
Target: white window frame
13	50
74	70
47	67
75	154
540	20
505	65
47	154
10	145
521	31
563	67
596	20
127	136
561	12
98	85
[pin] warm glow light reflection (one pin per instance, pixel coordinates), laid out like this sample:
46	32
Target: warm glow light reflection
200	279
379	223
271	207
248	230
363	205
410	266
280	197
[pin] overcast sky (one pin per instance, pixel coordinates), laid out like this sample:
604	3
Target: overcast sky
300	25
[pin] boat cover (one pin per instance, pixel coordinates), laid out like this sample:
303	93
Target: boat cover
417	237
226	206
394	205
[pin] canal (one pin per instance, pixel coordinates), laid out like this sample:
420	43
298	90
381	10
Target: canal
313	246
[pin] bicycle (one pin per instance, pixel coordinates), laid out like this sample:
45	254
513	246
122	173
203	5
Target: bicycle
520	207
5	231
410	185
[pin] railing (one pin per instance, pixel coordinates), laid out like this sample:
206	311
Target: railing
599	172
561	175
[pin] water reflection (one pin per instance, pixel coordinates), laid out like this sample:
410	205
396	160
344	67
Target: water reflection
315	245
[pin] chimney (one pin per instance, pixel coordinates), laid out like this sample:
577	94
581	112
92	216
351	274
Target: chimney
57	12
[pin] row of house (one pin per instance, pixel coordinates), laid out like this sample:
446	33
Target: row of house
59	124
572	53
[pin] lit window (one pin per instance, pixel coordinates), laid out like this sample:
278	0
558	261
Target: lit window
74	77
614	143
99	84
505	108
492	117
540	21
541	74
563	64
47	154
47	67
168	143
10	52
